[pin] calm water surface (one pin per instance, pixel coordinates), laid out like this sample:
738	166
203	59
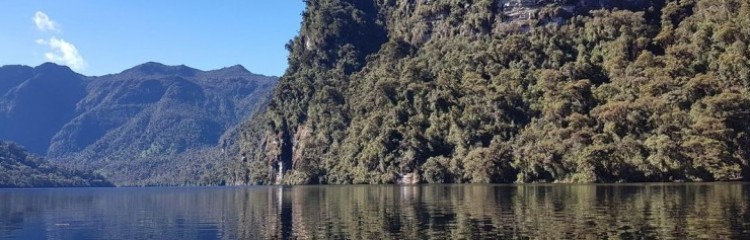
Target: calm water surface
652	211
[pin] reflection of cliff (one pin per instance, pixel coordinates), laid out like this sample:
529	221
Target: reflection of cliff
719	211
534	211
299	196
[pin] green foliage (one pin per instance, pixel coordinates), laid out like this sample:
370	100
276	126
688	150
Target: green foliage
149	125
18	168
455	94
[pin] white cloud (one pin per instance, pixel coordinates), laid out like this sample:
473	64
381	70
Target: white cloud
44	23
63	52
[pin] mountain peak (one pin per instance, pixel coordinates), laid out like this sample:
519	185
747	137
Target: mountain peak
159	68
236	69
48	66
151	64
54	71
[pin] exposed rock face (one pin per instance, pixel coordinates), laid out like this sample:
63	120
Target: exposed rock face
409	178
520	10
286	150
299	143
417	22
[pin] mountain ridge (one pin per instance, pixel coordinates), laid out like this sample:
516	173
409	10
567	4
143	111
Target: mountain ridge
150	111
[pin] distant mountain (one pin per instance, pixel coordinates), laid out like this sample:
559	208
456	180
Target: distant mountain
18	168
37	102
130	126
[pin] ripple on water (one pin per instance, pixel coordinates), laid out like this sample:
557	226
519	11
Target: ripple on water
659	211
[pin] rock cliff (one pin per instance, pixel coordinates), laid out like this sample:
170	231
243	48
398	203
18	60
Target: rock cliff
508	91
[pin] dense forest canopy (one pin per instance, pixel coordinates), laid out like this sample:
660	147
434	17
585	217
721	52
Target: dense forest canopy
18	168
152	124
452	92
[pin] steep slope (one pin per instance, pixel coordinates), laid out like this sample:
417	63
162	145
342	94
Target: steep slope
151	124
462	91
18	168
29	119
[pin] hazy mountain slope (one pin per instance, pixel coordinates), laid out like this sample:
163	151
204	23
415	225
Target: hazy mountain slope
18	168
132	126
28	118
476	91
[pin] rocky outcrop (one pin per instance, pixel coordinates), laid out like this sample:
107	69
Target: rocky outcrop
418	22
525	10
409	178
284	150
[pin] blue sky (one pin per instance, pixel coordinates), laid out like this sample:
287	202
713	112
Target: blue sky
103	37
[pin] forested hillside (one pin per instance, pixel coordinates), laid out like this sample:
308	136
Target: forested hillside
18	168
457	91
149	125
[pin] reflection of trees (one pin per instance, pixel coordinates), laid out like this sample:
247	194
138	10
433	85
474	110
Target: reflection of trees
507	211
714	211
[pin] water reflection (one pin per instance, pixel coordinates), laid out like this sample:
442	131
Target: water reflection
662	211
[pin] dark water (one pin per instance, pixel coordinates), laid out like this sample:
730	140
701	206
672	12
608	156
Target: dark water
657	211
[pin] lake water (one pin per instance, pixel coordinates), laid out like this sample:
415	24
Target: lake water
651	211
